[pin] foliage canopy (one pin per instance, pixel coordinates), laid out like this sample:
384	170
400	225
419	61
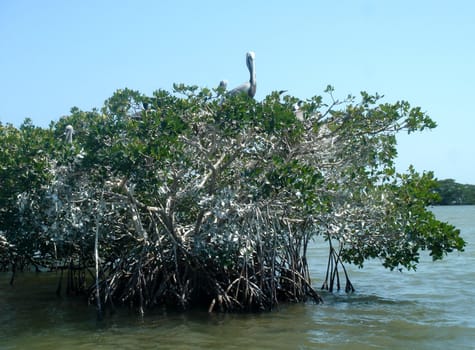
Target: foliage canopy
196	197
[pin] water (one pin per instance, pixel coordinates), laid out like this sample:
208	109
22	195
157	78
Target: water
432	308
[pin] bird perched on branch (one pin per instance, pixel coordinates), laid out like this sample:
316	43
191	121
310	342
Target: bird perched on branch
296	107
248	87
223	84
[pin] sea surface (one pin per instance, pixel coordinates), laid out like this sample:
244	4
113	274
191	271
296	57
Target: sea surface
431	308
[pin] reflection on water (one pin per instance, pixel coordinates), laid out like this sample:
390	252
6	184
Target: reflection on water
432	308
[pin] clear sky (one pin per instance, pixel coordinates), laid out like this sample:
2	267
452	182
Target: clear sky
58	54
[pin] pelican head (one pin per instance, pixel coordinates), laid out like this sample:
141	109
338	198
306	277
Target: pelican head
250	57
69	133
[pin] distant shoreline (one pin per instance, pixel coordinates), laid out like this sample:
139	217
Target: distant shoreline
453	193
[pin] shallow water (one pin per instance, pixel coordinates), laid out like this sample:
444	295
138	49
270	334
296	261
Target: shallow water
432	308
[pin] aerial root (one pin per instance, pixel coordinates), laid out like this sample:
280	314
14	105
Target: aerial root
332	275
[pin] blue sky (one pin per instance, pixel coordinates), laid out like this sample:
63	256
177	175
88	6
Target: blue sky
58	54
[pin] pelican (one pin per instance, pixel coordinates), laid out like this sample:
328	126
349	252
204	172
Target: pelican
248	87
69	134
